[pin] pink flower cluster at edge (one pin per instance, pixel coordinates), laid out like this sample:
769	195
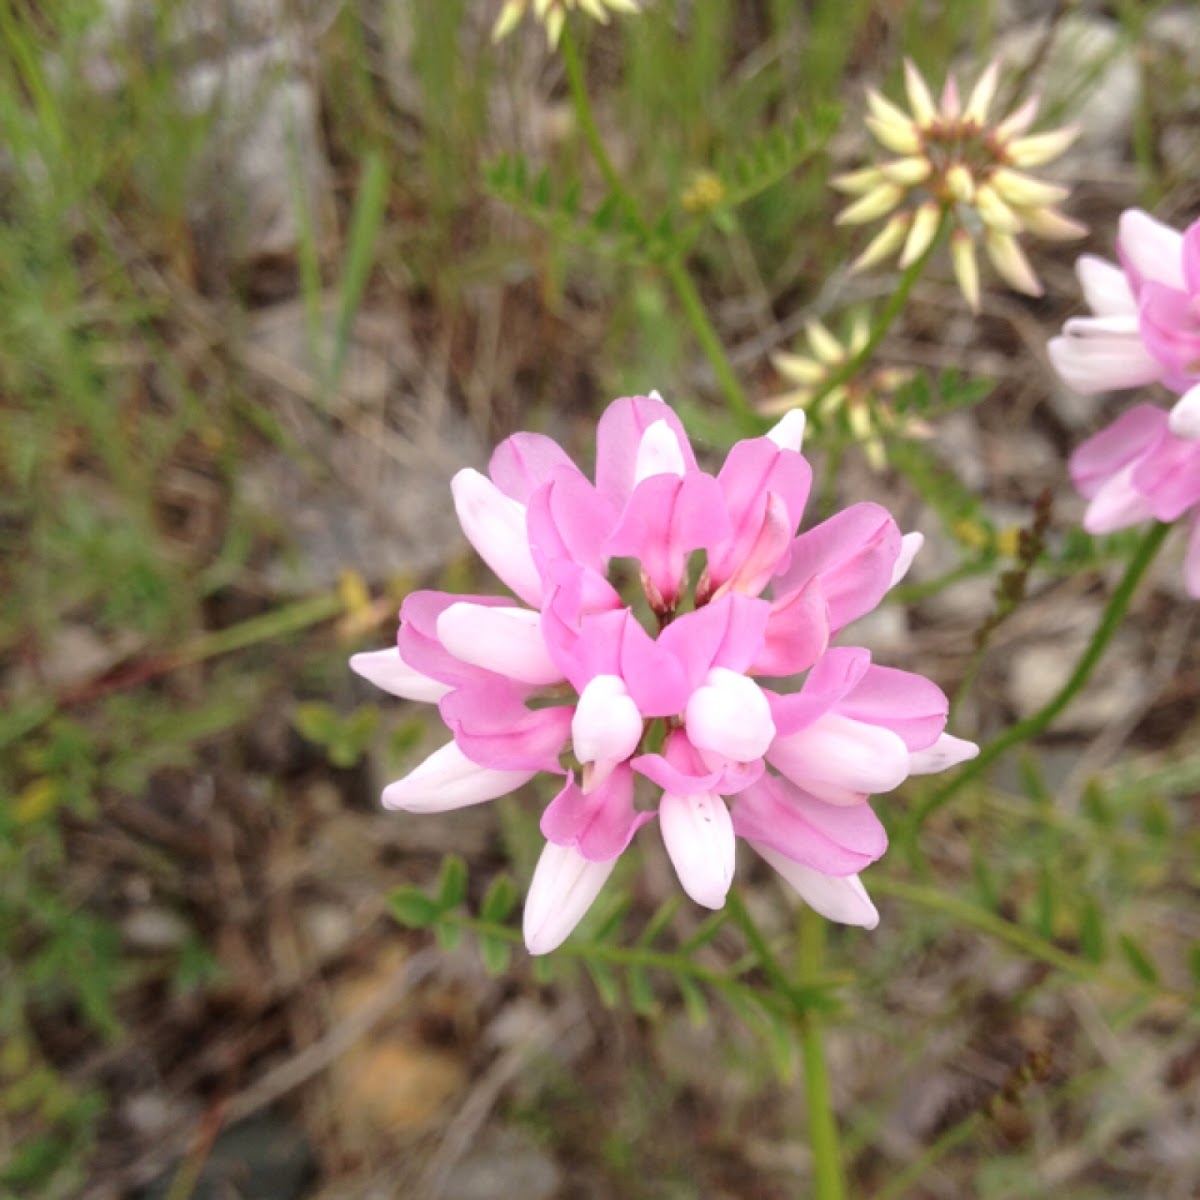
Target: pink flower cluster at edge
566	680
1146	329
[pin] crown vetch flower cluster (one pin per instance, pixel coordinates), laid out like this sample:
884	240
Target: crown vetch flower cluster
1145	329
952	160
703	705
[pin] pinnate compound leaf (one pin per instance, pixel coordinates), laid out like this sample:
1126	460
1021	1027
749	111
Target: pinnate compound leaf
413	908
452	883
499	900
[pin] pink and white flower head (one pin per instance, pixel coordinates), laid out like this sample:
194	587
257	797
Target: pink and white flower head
1136	470
702	707
1146	327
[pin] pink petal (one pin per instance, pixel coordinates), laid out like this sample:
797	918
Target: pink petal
831	838
523	462
1184	421
1105	287
495	525
1128	438
681	769
1117	504
1191	560
447	779
834	676
797	633
563	888
753	471
607	726
948	751
618	437
730	716
599	824
659	453
853	554
505	640
764	553
494	728
910	547
654	676
788	432
418	641
387	670
844	900
1191	258
1101	362
1152	250
666	518
698	835
569	519
840	760
727	633
1169	477
909	705
1170	328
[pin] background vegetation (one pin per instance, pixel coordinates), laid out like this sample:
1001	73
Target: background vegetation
269	273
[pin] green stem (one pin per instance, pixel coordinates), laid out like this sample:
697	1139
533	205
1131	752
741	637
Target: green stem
591	134
709	341
770	965
822	1123
681	281
1036	723
887	317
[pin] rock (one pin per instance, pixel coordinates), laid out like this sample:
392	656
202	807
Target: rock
264	1156
265	156
329	927
1036	672
504	1162
154	930
77	654
383	506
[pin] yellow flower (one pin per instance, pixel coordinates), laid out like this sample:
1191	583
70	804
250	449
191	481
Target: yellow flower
553	14
860	401
953	161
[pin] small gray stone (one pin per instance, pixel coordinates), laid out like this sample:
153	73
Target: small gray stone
505	1162
154	930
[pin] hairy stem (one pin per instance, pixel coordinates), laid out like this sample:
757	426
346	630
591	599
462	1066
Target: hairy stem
822	1123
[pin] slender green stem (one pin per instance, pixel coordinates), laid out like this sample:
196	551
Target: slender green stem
887	317
770	965
1034	724
591	134
672	264
822	1123
709	341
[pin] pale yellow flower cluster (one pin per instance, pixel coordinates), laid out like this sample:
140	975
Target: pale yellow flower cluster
951	160
553	14
862	398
